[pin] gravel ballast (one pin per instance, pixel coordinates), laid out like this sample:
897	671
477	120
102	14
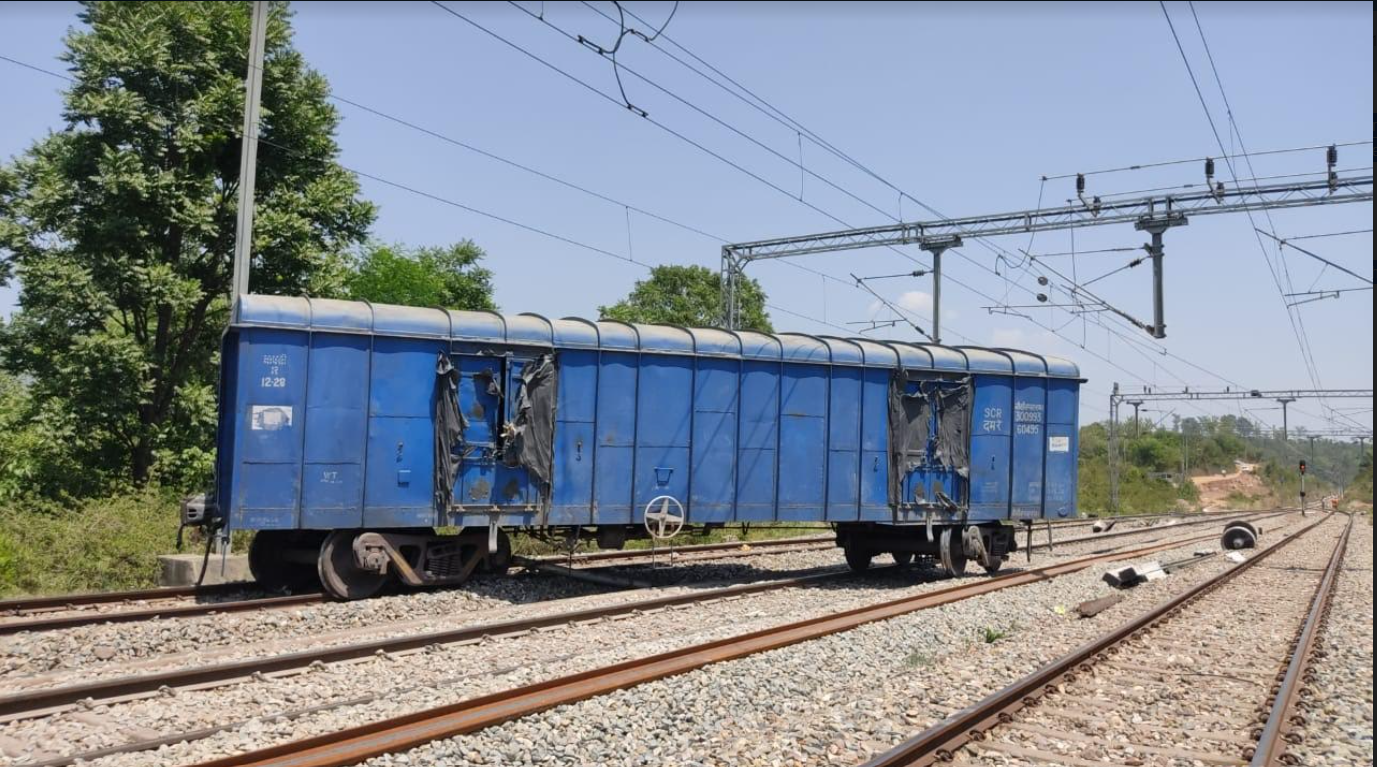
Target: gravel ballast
466	671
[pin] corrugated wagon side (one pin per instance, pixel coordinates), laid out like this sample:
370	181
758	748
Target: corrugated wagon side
350	433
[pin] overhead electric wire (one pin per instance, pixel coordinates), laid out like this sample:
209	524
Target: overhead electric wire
522	166
1195	160
1301	341
1317	257
988	246
794	124
1329	234
574	242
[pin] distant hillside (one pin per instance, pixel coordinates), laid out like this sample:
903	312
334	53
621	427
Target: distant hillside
1153	460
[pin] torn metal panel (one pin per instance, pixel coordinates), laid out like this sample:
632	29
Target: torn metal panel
449	430
530	436
910	429
953	448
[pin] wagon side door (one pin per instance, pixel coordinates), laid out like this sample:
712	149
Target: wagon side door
481	381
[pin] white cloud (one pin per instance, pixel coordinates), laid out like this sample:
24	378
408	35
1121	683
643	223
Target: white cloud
919	302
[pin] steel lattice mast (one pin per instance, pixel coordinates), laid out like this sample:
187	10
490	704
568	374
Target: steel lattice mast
1154	214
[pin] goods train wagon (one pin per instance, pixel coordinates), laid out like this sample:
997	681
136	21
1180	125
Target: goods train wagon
367	442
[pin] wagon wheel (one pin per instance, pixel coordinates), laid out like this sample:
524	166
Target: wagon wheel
340	574
664	517
902	558
975	543
857	557
953	552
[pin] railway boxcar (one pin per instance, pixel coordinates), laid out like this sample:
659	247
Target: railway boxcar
366	442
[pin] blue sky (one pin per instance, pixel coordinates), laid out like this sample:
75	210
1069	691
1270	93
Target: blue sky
962	106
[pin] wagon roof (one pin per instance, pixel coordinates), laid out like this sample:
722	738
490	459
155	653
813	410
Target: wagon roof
335	316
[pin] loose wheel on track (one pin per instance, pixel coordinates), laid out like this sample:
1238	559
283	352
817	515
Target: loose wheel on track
902	558
953	552
857	558
340	575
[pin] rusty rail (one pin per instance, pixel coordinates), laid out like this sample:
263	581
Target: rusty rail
940	741
1282	719
730	549
69	601
356	744
167	611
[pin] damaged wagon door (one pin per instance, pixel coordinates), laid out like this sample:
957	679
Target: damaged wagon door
481	381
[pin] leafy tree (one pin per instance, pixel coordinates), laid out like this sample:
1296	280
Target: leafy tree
120	226
688	295
446	277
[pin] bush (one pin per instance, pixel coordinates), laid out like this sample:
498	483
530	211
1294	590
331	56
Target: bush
100	545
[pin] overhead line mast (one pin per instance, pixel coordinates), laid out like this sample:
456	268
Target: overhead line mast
1154	214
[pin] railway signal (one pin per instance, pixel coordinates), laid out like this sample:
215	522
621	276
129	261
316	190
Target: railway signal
1302	486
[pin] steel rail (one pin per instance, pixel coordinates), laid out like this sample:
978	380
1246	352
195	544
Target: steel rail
69	601
154	613
43	701
57	603
353	745
941	741
28	604
1282	720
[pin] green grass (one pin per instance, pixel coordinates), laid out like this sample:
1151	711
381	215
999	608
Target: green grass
990	635
97	545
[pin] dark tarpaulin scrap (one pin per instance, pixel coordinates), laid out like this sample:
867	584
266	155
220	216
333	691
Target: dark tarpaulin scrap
531	439
449	430
953	427
910	424
494	388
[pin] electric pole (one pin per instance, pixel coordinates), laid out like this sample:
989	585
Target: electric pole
248	153
1137	425
1284	402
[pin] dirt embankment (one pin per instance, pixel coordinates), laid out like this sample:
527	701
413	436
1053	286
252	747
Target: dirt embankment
1241	488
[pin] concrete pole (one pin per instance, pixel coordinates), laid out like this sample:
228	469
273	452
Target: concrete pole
248	153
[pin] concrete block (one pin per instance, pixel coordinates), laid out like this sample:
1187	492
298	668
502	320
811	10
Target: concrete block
182	569
1128	577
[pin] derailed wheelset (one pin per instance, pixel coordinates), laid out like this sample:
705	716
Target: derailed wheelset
357	564
948	547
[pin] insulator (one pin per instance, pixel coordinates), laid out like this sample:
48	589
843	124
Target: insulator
1080	183
1042	298
1331	155
1042	279
1209	167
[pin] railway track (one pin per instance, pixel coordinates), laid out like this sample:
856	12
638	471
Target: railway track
392	735
1124	695
37	614
182	601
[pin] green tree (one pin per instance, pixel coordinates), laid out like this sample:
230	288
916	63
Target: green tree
120	226
447	277
688	295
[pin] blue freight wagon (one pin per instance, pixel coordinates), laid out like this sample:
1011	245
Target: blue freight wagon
358	438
